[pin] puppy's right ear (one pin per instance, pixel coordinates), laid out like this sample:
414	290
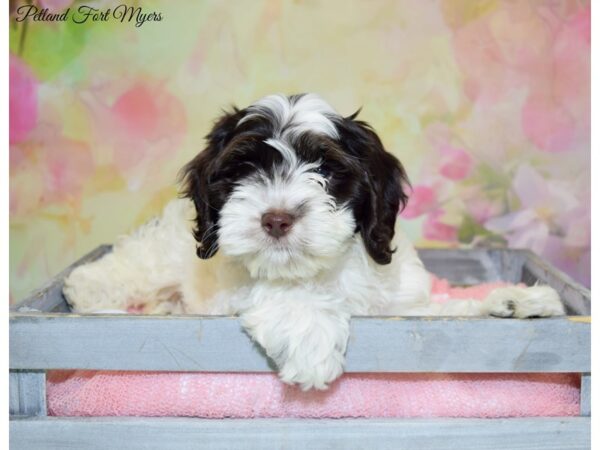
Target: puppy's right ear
197	178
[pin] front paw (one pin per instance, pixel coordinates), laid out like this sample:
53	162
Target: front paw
521	303
312	374
306	344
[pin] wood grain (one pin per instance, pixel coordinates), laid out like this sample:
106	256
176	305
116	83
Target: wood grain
570	433
393	344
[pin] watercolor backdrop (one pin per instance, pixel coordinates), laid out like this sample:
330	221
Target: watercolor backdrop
485	102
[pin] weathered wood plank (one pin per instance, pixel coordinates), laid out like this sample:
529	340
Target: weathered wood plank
577	299
585	396
196	343
469	345
50	297
570	433
461	267
509	263
27	392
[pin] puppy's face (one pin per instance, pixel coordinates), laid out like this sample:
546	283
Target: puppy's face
285	184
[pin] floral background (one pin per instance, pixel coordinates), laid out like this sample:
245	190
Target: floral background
485	102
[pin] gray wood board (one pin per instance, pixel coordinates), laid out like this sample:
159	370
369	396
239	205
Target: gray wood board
394	344
27	393
585	403
569	433
50	297
462	267
576	298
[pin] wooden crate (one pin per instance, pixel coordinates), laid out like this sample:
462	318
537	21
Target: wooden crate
44	335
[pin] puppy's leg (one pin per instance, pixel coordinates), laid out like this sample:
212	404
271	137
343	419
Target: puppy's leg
512	301
305	333
144	268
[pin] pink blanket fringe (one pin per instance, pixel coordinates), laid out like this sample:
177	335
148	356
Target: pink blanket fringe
220	395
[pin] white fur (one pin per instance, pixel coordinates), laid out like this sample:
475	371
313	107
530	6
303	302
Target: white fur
307	113
320	233
295	295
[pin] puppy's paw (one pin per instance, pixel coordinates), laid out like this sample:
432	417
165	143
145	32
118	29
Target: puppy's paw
306	344
312	374
521	303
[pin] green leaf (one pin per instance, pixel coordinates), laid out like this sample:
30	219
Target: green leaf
48	47
470	228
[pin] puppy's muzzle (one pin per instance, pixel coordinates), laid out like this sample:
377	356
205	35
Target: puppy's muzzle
277	223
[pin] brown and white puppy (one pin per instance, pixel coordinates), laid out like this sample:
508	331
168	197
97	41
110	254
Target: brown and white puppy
289	221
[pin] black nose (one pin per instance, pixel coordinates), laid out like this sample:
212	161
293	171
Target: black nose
277	223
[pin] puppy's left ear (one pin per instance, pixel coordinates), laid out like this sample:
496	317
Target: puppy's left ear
200	185
383	182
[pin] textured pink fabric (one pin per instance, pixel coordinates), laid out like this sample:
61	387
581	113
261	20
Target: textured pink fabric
442	291
218	395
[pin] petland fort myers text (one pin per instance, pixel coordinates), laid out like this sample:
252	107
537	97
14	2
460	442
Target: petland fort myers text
88	14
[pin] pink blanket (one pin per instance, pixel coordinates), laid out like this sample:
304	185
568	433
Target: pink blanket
218	395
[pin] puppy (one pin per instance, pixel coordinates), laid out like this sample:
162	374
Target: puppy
289	220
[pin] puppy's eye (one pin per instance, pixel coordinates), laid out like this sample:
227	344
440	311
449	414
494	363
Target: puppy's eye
323	171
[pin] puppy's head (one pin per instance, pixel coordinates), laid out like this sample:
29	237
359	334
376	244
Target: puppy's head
285	184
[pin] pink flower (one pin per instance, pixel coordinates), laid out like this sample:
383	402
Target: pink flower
522	229
544	207
420	201
57	170
556	112
456	163
574	261
571	81
147	122
482	208
436	230
138	111
23	109
547	124
552	222
67	166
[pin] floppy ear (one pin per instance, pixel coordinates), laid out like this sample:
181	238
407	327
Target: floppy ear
382	185
198	184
